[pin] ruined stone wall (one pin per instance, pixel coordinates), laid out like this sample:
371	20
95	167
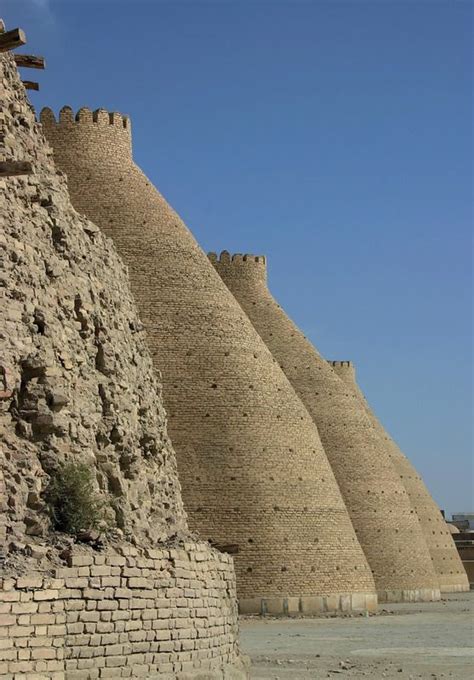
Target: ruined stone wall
77	384
385	523
446	561
253	471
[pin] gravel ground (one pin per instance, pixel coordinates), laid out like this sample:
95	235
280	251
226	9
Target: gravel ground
405	641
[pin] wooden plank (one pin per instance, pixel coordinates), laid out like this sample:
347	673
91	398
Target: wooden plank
29	61
230	548
11	39
30	85
14	168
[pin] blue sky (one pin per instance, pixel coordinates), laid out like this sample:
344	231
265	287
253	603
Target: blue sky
334	137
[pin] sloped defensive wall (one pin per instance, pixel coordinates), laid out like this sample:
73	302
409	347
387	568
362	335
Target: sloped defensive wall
384	520
254	475
77	386
446	561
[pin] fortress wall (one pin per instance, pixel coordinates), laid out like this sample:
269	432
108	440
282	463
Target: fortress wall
385	523
251	464
159	613
77	386
446	560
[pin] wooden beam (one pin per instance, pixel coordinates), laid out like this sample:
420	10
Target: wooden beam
29	61
14	168
12	39
30	85
230	548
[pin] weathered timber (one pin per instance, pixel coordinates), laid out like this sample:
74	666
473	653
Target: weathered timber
230	548
13	168
11	39
29	61
30	85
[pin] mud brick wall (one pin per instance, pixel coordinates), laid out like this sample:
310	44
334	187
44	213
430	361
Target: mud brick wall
253	471
161	614
77	384
446	561
385	523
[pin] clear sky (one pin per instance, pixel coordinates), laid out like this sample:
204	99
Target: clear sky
334	137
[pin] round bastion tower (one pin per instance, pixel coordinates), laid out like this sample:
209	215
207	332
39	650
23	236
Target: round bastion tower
253	471
384	521
447	563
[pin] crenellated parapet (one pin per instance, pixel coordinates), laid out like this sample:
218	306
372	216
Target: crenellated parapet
84	133
345	370
240	267
84	115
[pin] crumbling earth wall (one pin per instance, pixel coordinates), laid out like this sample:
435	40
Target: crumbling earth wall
77	384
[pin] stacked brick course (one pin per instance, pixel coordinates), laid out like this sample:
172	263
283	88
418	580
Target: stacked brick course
251	464
385	522
446	561
159	613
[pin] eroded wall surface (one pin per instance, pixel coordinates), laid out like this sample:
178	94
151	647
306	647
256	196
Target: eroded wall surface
384	520
252	467
77	385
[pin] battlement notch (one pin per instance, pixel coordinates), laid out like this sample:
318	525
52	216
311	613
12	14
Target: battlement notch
240	267
344	369
84	115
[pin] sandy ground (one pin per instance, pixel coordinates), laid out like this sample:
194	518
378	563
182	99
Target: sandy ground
406	641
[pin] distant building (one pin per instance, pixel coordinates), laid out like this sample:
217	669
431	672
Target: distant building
464	540
463	520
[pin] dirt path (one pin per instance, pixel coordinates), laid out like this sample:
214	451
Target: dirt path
412	642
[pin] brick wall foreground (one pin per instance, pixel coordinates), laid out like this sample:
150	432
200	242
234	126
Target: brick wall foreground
163	613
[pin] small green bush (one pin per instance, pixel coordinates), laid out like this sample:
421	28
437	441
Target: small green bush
73	503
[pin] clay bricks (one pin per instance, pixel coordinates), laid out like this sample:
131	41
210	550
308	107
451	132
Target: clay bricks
87	643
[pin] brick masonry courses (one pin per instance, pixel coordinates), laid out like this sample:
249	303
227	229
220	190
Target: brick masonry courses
447	563
386	524
77	383
251	464
162	613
